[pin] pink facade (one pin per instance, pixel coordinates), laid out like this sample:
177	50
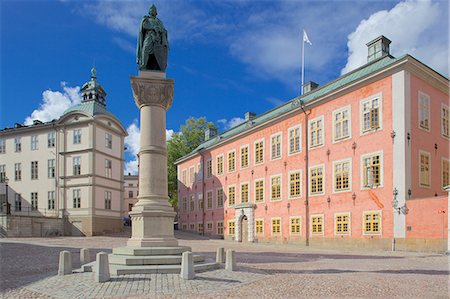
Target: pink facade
366	198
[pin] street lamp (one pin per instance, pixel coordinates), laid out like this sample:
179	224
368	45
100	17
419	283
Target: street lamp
6	181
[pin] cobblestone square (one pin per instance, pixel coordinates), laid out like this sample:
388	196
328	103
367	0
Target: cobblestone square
29	267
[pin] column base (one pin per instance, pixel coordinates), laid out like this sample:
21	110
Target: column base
152	242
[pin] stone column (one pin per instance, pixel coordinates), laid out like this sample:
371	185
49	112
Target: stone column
152	216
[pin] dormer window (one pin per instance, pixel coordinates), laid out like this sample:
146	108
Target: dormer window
378	48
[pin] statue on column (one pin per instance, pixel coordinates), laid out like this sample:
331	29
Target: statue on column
152	45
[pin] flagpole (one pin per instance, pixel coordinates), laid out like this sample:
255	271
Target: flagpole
303	63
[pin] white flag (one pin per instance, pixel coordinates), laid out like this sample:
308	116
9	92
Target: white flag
305	38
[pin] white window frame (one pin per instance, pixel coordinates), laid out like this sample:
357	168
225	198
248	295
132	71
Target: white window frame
423	96
51	168
280	134
212	226
228	161
299	127
78	160
240	156
310	145
349	233
200	203
323	180
2	146
108	170
51	139
263	224
422	152
361	171
381	223
264	151
301	226
209	175
217	197
223	164
184	176
217	228
34	171
76	198
17	144
228	195
240	191
228	227
271	227
350	178
254	190
202	230
443	106
289	184
378	96
347	108
442	172
212	199
76	136
281	187
199	172
311	224
34	142
108	140
108	200
191	175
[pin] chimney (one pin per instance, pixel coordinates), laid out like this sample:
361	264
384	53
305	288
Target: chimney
310	86
249	116
210	133
378	48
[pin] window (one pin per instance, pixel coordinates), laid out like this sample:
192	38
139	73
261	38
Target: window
231	161
2	146
192	226
259	190
317	225
316	175
209	200
244	157
219	198
372	174
184	226
208	168
424	170
51	141
275	187
296	225
76	165
51	200
130	207
209	226
295	184
17	202
76	136
371	114
424	111
183	176
34	170
219	165
34	142
2	173
219	226
445	172
259	227
231	228
341	124
372	223
200	201
108	140
231	195
342	172
259	152
191	175
275	146
342	224
295	145
191	203
34	200
244	192
276	226
18	144
17	171
51	168
77	199
316	132
199	172
108	196
200	227
445	122
184	204
130	194
108	168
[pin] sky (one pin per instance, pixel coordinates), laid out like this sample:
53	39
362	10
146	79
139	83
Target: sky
226	57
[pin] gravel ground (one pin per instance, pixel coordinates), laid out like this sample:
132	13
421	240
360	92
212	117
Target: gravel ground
28	268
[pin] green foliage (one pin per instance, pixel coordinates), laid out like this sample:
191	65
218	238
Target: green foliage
190	136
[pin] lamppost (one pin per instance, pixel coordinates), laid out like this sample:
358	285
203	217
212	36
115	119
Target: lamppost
7	207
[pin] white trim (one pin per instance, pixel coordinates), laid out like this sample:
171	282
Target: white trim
349	233
311	224
281	146
442	173
350	179
289	184
443	106
427	98
240	156
264	151
263	228
228	161
299	126
228	195
281	186
347	108
271	227
264	190
422	152
301	226
380	226
320	117
323	180
361	170
378	96
240	191
223	164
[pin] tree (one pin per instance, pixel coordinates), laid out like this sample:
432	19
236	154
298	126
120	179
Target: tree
190	136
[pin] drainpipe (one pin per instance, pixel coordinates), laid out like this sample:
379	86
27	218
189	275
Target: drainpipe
306	176
203	192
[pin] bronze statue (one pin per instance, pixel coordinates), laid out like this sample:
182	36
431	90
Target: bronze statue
153	45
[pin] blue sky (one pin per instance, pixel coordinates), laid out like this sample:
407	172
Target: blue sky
226	57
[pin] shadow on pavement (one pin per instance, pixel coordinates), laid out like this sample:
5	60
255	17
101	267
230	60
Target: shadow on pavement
338	271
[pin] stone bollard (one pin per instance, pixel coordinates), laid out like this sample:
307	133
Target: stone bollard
85	256
230	263
187	266
65	263
102	268
220	255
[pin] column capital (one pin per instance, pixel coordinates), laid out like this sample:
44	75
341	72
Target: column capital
152	92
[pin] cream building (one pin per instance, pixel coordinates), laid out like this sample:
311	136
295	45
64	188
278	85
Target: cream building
131	187
70	168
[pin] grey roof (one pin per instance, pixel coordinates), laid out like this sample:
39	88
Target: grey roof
91	108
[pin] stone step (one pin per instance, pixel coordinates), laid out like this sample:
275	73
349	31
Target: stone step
158	269
149	259
146	251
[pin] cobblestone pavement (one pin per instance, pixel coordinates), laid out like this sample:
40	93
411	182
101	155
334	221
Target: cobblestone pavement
28	269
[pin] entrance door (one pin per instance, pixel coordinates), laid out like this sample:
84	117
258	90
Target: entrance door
244	229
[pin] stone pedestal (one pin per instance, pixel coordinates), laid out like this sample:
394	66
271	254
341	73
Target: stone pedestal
152	216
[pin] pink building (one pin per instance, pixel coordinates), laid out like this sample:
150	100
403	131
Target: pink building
360	161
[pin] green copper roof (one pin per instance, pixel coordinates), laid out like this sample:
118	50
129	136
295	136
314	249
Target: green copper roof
91	108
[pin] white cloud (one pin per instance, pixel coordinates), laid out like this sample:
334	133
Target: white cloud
169	134
228	124
416	27
54	103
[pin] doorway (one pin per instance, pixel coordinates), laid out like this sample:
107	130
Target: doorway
244	229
